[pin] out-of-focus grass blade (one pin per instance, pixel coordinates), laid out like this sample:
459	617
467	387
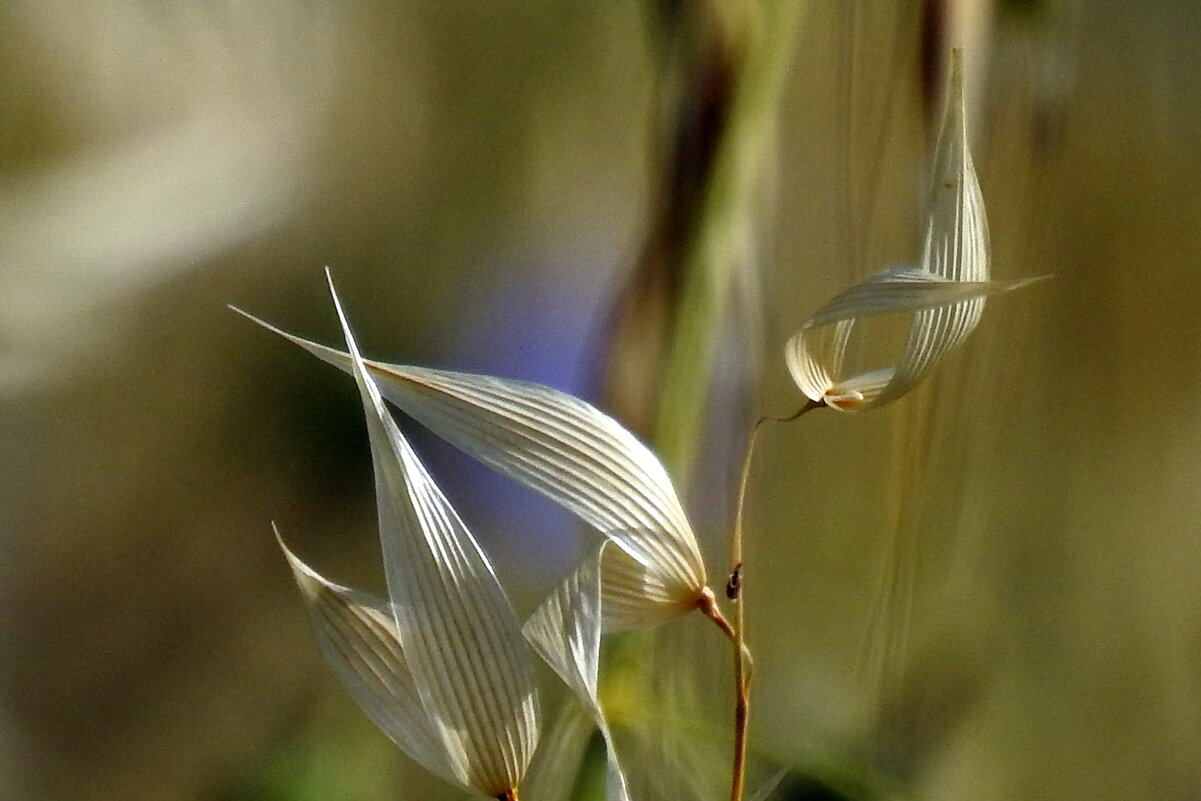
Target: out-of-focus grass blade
556	768
357	636
768	787
558	445
566	630
462	641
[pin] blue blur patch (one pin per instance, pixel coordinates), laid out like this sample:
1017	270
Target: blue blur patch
536	327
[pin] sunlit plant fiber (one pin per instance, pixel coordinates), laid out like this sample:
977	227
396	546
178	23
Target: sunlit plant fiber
442	665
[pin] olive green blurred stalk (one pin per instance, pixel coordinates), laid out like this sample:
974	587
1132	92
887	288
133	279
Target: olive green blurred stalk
700	242
760	37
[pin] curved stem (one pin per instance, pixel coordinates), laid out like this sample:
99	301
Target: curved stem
742	659
734	585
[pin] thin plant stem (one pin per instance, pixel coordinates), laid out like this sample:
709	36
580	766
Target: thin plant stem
742	701
743	664
709	608
734	585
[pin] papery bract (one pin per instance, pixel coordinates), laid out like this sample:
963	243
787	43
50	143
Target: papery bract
566	632
456	641
574	454
945	294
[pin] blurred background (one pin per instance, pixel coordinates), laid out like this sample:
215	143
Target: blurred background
992	589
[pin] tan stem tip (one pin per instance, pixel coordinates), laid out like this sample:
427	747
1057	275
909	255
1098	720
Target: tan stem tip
707	603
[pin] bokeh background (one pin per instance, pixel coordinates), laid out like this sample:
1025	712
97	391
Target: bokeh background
990	590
